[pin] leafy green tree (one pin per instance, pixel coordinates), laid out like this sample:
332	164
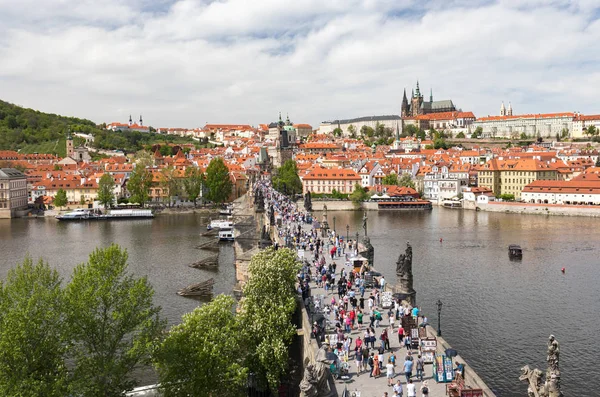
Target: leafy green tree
266	313
440	143
139	184
60	199
192	183
564	133
204	354
218	181
359	195
367	131
411	130
406	181
170	182
112	323
32	332
421	135
287	180
352	131
523	136
337	132
592	130
460	135
106	186
390	179
82	200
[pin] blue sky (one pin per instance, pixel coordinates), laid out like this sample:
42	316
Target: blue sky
185	63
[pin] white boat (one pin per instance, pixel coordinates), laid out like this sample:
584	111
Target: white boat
220	224
226	211
78	214
226	235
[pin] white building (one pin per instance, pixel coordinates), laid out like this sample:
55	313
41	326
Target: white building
512	126
391	121
578	191
582	122
445	182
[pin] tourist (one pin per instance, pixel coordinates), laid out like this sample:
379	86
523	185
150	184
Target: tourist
376	368
407	343
407	369
372	337
359	359
398	388
392	320
365	355
382	283
411	389
425	389
415	313
420	366
400	335
390	372
359	318
371	363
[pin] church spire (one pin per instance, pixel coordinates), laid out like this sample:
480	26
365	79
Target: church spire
510	109
141	122
418	92
130	120
431	95
502	109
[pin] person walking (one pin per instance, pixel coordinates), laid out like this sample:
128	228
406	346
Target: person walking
359	361
425	389
376	368
407	343
411	389
398	388
407	368
400	335
371	363
420	366
389	367
359	318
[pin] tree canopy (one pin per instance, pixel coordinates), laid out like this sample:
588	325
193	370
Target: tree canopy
106	186
139	184
218	181
60	199
193	182
287	180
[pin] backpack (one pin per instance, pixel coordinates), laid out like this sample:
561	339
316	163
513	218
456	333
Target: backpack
378	316
425	390
371	360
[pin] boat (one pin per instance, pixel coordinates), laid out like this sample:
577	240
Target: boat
226	235
220	224
452	203
515	252
227	211
86	214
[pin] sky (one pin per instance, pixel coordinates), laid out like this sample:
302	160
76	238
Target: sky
184	63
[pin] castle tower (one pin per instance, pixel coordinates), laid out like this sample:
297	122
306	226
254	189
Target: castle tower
509	109
431	95
404	108
502	109
70	148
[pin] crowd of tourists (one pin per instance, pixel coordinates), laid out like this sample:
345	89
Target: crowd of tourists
347	304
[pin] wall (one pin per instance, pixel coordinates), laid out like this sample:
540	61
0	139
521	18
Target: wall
541	209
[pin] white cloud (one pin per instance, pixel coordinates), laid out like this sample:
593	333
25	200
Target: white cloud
183	63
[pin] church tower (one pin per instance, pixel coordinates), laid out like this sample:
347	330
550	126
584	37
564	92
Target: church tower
141	122
416	101
502	109
404	109
431	95
70	149
130	121
509	109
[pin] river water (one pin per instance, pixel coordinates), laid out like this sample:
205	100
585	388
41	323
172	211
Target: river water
498	314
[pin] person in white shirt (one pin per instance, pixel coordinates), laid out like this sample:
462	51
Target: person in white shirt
411	390
382	283
390	372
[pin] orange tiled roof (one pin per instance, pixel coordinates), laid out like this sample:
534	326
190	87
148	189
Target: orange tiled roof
527	116
321	173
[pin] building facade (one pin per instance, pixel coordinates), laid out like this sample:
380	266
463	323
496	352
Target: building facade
349	125
533	125
418	105
325	180
13	192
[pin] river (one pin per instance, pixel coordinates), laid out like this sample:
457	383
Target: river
498	314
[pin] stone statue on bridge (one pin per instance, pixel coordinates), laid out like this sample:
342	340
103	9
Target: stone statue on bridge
551	386
308	202
404	273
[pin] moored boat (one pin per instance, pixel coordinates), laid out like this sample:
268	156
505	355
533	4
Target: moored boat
226	235
85	214
220	224
515	252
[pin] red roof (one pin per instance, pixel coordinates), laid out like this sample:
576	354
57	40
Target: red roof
527	116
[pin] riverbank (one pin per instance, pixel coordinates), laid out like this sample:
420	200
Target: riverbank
538	209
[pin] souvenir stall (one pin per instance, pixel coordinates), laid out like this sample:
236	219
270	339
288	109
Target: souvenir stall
442	368
428	348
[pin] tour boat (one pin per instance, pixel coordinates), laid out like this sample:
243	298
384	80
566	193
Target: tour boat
220	224
78	215
226	235
452	203
515	252
228	211
86	214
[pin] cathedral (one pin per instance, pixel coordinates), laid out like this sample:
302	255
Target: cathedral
418	106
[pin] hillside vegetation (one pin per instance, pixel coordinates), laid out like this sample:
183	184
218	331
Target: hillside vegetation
32	131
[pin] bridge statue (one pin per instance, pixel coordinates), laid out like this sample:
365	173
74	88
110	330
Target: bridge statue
404	273
364	219
537	387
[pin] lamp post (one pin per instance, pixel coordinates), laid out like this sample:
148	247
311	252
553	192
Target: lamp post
347	233
439	306
334	223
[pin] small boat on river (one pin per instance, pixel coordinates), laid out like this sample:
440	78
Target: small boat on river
226	235
220	224
86	214
515	252
227	211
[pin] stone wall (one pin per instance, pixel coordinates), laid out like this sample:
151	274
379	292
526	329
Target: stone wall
540	209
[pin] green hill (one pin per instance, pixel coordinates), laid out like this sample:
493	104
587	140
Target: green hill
32	131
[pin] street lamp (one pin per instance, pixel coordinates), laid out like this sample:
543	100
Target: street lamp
334	224
439	306
347	233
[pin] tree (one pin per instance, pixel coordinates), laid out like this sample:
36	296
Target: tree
440	143
411	130
367	131
421	135
523	136
352	131
359	195
287	180
32	332
144	159
592	130
406	181
337	132
106	187
82	200
187	361
218	181
460	135
597	161
60	199
477	133
139	184
266	313
390	179
192	183
170	182
112	323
